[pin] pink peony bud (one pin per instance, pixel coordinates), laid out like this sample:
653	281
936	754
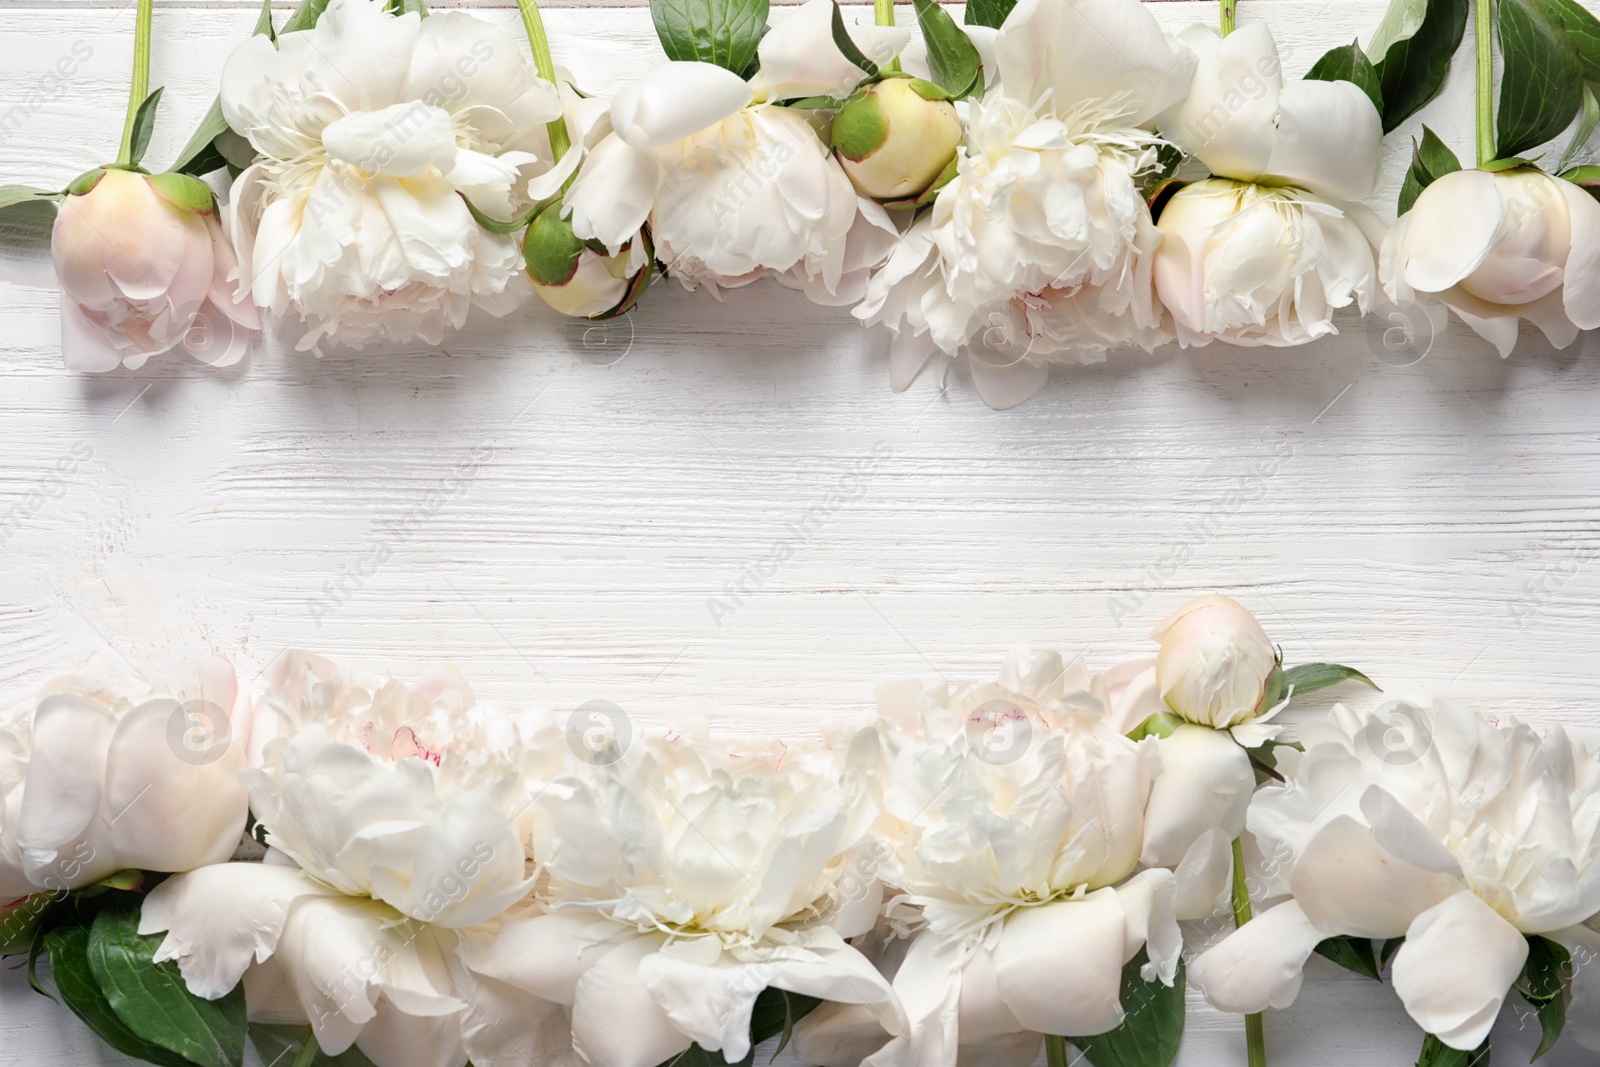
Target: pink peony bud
144	268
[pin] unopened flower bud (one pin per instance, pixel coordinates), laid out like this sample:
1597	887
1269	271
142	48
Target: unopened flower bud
897	138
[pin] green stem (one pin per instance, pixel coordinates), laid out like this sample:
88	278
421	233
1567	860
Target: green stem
1254	1035
1483	23
141	76
1055	1051
560	140
1230	16
883	15
308	1051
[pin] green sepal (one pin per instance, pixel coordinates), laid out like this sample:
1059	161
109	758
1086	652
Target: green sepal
1541	81
84	183
860	128
1161	724
1162	193
953	59
1350	64
1586	178
494	225
1353	954
930	90
1588	119
185	193
550	249
815	103
1390	947
1152	1028
19	927
68	947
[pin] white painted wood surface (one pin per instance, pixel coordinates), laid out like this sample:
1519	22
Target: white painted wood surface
560	505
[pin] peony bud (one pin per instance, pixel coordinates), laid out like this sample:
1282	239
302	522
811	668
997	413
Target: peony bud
144	267
1214	663
897	138
580	278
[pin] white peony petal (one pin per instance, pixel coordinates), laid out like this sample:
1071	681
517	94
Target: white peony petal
1580	289
612	993
1150	923
546	954
1082	1000
613	193
839	1035
1449	230
1328	138
1204	877
1004	387
799	57
395	1039
1260	965
1348	884
1205	783
1456	967
405	140
1226	120
929	985
59	828
676	100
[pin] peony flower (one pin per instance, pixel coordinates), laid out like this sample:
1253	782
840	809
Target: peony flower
1495	248
387	859
1268	249
682	880
1040	249
734	186
103	775
1463	836
896	138
144	269
1017	823
373	132
1214	665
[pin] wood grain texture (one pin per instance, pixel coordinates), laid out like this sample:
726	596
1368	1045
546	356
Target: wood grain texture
560	507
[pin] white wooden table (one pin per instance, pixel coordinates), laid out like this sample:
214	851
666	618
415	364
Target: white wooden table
1432	523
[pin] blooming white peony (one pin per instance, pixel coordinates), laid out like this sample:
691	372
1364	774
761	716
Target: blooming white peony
735	187
1462	835
1040	249
1016	820
1265	252
685	878
102	774
371	129
1495	248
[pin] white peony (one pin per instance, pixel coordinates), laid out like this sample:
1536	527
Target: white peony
371	129
685	878
734	186
1016	820
1495	248
1426	822
1040	249
1266	251
104	774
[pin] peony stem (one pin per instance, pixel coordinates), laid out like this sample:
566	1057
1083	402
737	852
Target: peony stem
141	76
883	10
560	140
1230	16
1254	1035
1055	1051
308	1051
1483	24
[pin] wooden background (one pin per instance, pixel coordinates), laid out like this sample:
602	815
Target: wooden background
558	504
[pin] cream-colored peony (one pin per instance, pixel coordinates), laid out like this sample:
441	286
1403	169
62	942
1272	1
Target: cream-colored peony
684	878
371	130
103	774
1016	818
1495	248
1268	249
1040	249
734	186
1463	835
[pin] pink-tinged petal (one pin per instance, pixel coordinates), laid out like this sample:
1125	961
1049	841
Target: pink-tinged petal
1084	999
1004	387
1260	965
1580	291
675	100
1456	967
615	1020
1348	884
85	345
220	919
908	354
1449	230
62	800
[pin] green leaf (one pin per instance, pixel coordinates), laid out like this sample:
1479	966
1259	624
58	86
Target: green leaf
411	7
1431	159
1411	51
990	13
12	195
144	124
1390	947
1310	677
1542	979
841	38
775	1013
1588	119
1353	954
1436	1053
1583	29
152	999
69	966
1150	1034
1541	81
305	16
953	59
264	23
1349	63
724	32
280	1045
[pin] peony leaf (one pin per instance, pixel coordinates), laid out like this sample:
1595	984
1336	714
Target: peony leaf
144	124
1349	63
991	13
1390	947
1542	981
841	38
1152	1029
1310	677
13	195
69	966
774	1015
1431	159
1583	29
278	1045
723	32
1588	118
953	59
1411	51
1436	1053
152	1000
1541	83
1353	954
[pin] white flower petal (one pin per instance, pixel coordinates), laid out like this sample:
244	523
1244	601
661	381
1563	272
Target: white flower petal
1260	965
1347	884
1081	1000
1580	287
1205	783
1450	230
1456	967
799	57
612	992
676	100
